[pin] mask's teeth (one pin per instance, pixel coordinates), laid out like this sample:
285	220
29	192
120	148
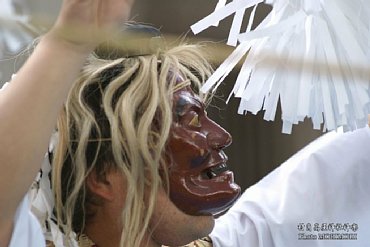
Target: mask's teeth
219	169
211	174
214	171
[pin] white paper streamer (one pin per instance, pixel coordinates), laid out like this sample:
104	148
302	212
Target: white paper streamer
222	13
42	204
312	55
220	4
16	33
16	30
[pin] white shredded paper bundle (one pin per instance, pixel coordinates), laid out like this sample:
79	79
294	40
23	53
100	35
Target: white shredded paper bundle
16	31
312	55
42	204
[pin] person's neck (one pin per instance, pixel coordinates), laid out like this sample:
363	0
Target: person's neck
102	241
104	231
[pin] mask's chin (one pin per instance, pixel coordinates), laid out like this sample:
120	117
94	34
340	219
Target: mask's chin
210	193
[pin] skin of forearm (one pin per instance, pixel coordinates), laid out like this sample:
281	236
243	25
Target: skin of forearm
28	113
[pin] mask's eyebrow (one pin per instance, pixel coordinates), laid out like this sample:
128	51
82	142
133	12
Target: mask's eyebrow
181	104
185	102
198	102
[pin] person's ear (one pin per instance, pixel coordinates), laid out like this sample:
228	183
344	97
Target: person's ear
101	186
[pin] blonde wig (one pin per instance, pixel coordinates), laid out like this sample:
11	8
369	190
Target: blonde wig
118	116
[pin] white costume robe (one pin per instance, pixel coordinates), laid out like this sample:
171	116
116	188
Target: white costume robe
322	192
27	230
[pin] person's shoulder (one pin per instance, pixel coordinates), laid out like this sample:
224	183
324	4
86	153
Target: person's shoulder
340	139
336	154
335	145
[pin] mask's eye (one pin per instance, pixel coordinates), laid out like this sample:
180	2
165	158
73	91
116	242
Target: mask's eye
195	121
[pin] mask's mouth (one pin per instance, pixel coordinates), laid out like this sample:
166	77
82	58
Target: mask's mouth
214	171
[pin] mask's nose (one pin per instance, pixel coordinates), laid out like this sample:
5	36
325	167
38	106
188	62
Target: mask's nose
218	137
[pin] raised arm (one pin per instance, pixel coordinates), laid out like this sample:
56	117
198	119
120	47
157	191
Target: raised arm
30	104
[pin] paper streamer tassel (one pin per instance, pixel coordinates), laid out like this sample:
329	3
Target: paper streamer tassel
42	204
312	55
16	31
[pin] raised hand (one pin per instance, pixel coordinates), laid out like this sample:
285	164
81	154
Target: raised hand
88	22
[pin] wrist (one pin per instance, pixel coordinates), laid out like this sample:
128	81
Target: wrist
57	40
